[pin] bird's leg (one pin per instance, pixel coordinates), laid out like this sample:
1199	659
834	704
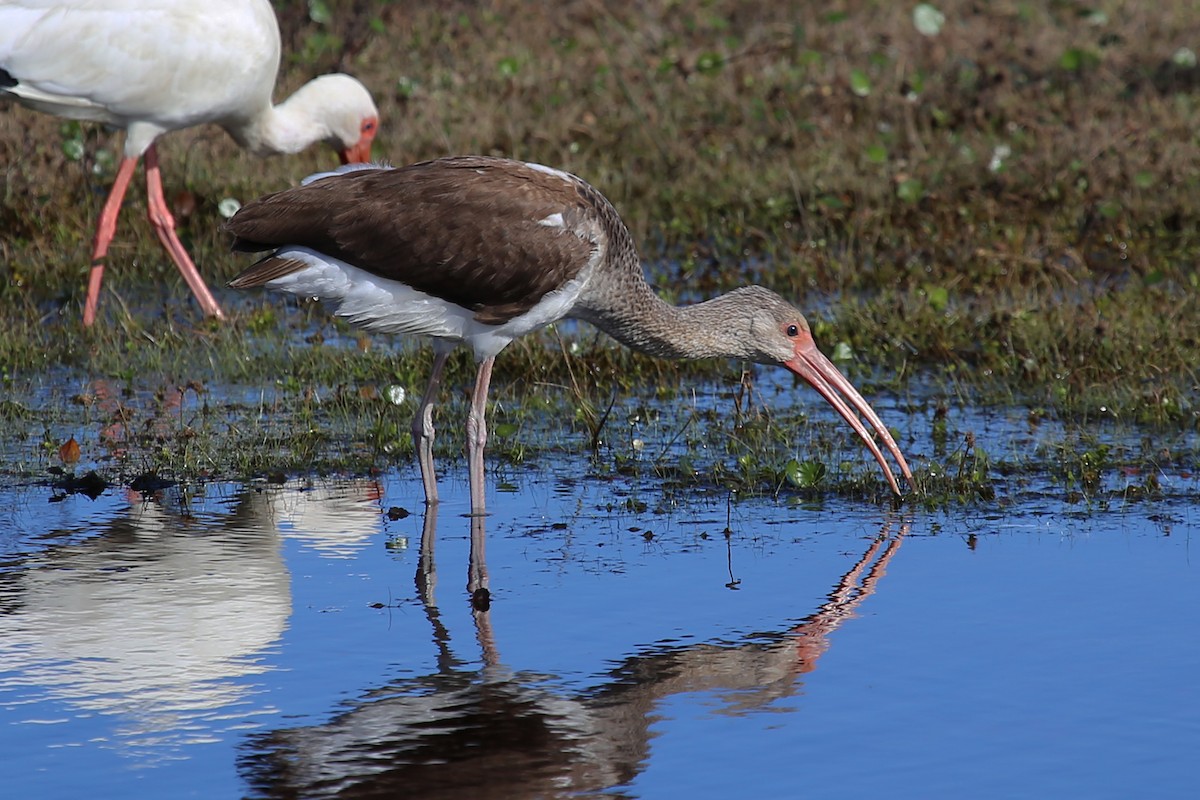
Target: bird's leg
164	226
477	434
105	228
422	427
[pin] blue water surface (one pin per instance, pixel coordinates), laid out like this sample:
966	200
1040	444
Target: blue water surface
293	640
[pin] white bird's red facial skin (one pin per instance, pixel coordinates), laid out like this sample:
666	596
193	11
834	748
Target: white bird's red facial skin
811	364
360	151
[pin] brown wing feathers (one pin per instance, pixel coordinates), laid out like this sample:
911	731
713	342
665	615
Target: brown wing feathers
466	230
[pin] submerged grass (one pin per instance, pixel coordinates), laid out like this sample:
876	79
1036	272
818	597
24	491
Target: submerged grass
1003	208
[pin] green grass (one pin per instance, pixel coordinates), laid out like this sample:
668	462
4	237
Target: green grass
1004	211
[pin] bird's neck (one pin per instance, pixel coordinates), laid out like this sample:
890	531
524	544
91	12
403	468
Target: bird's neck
287	128
643	321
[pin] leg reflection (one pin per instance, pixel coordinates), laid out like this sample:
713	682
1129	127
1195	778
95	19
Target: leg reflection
481	596
426	577
477	576
477	582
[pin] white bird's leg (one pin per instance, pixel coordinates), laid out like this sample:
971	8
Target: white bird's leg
477	434
106	226
422	426
164	226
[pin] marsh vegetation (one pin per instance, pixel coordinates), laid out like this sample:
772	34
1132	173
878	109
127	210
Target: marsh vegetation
997	208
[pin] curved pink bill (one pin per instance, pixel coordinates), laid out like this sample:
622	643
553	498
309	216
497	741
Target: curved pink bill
812	365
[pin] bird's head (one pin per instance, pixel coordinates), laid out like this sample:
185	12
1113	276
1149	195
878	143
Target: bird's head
781	335
349	115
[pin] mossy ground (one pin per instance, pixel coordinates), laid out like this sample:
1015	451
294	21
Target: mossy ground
1003	213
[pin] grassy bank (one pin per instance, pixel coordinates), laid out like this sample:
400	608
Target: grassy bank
1005	209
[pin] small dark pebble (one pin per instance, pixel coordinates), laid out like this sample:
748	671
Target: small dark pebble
481	600
149	482
90	485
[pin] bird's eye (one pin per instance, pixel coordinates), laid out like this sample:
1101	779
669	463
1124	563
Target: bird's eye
793	330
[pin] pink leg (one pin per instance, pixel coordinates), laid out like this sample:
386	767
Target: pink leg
422	427
164	226
105	228
477	434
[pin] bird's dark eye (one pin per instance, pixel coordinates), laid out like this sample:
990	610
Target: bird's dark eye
793	330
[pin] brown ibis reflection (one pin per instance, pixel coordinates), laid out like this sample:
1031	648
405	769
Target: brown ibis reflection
490	732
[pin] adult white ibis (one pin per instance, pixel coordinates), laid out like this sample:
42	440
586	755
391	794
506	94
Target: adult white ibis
482	250
156	66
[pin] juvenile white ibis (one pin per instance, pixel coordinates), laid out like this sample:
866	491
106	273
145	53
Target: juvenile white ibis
153	66
482	250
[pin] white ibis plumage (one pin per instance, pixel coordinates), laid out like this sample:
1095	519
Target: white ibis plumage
482	250
153	66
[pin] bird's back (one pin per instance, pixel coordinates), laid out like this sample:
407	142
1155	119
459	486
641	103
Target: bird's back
169	64
492	236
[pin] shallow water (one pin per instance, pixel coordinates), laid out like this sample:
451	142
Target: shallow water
298	640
